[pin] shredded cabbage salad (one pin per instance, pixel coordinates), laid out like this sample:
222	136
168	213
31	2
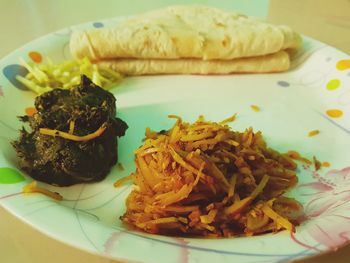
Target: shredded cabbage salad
46	77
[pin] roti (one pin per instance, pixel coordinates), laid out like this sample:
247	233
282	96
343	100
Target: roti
207	40
263	64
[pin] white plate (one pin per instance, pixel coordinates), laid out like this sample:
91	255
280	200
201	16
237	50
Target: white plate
293	103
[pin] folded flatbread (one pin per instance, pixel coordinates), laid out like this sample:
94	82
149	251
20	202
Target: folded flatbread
188	40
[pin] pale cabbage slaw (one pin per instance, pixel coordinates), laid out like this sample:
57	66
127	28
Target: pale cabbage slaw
46	77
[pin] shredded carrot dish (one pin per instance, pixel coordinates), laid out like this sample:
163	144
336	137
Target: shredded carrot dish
203	179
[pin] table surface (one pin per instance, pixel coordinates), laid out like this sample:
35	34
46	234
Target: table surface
24	20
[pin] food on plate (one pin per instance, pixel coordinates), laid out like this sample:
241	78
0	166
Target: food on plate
326	164
313	133
255	108
48	76
296	156
267	63
188	40
73	137
34	188
204	179
317	163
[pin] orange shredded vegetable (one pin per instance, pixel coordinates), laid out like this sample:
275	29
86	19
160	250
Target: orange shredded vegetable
122	181
313	133
296	156
204	179
255	108
326	164
69	136
34	188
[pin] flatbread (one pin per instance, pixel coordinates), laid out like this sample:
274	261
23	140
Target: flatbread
263	64
191	32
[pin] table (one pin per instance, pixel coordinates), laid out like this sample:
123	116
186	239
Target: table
24	20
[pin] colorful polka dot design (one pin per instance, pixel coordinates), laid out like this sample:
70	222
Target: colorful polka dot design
98	24
35	56
283	83
334	113
30	111
10	176
343	64
333	84
11	71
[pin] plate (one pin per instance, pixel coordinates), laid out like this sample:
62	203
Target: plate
313	95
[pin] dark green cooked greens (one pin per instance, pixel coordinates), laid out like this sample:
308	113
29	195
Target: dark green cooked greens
83	111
